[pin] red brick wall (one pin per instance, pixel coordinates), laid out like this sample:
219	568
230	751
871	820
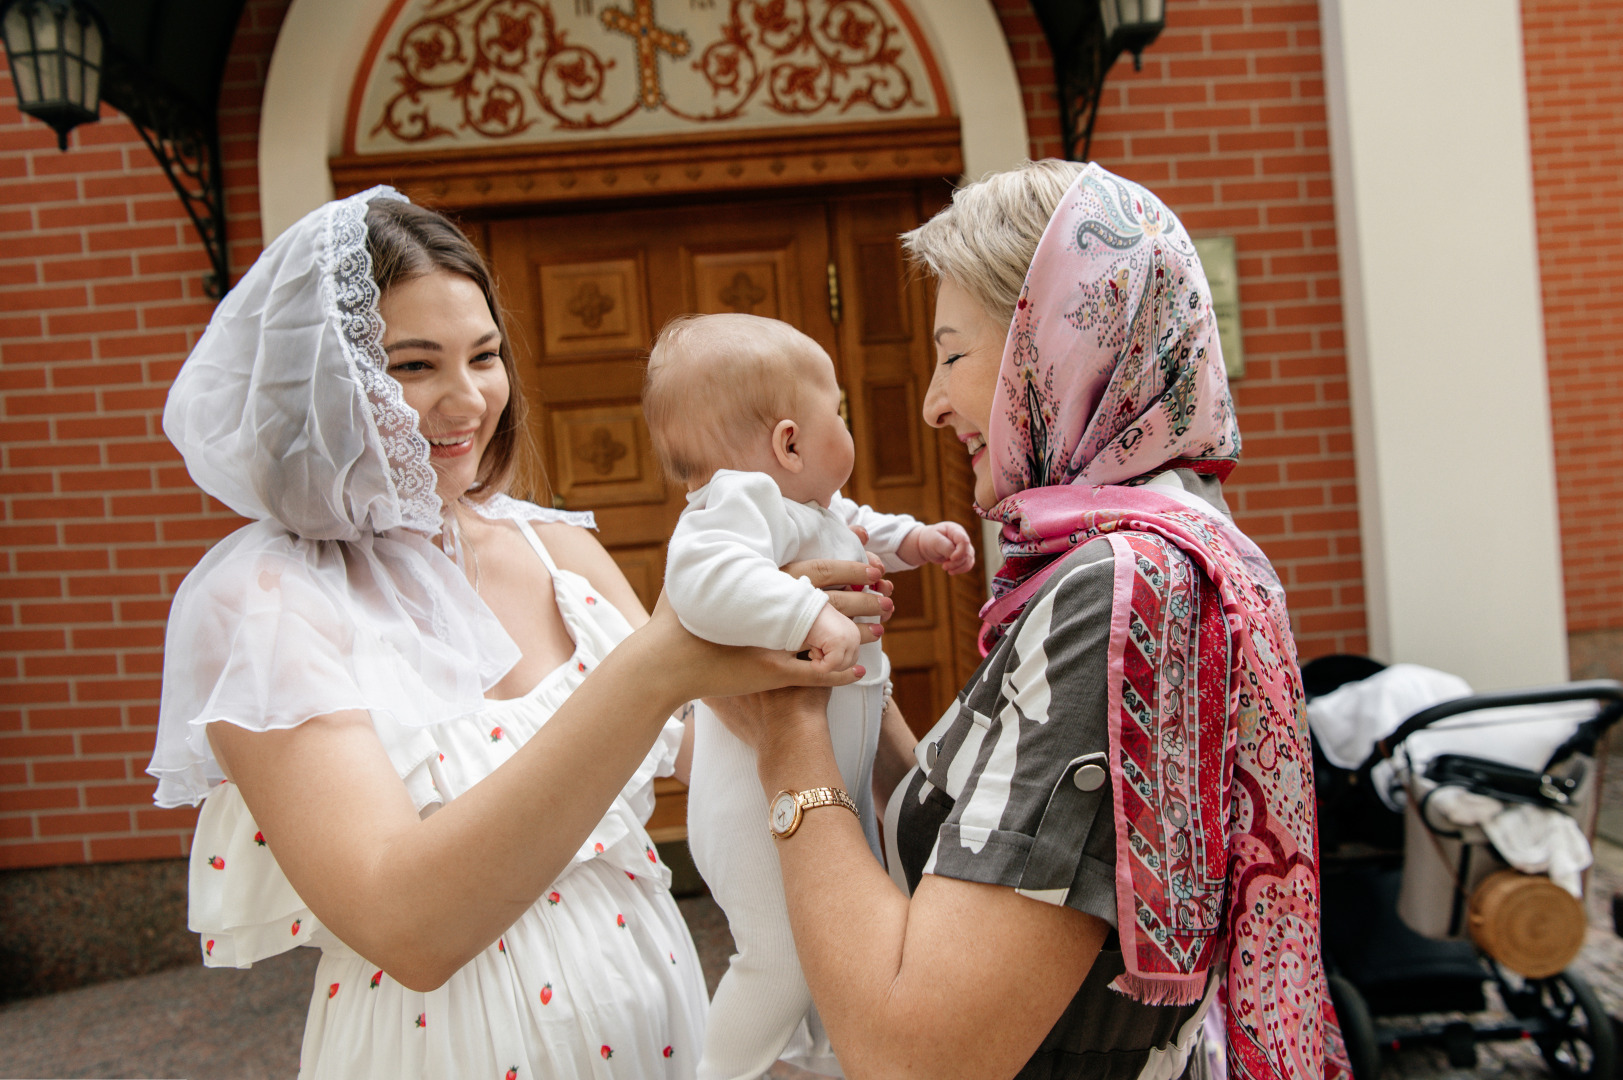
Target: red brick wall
100	300
1574	52
100	277
1227	123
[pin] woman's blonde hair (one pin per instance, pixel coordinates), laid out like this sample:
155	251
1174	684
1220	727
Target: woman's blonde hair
985	241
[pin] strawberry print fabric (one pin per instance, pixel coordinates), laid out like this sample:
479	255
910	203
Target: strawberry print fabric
602	961
1113	373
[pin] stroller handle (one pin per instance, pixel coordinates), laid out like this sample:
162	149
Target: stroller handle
1609	691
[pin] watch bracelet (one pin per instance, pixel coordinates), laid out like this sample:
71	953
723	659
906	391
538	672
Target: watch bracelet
826	796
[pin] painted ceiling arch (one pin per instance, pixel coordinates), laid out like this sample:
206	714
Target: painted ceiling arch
460	74
322	44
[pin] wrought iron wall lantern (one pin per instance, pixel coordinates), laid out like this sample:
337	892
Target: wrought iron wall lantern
158	62
55	51
1085	38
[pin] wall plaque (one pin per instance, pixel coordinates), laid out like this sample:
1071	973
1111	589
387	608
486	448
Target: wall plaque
1217	258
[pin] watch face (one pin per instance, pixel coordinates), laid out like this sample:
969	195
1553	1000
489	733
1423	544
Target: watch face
783	812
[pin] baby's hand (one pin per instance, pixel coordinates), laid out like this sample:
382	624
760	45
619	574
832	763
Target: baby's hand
945	543
832	640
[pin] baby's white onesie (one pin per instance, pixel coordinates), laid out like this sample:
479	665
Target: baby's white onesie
723	579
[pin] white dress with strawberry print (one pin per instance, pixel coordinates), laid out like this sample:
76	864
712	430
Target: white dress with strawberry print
598	979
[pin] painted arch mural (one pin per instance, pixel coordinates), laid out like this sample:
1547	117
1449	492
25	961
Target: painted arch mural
453	73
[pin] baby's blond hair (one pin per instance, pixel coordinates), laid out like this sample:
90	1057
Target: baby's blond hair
717	383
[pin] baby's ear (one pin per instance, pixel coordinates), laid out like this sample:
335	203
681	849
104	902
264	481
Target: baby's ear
783	445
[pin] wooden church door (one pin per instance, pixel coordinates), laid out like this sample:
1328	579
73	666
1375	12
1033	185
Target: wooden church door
586	293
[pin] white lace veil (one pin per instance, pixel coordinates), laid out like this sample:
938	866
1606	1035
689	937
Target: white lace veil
334	597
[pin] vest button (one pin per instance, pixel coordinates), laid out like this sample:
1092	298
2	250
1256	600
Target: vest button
1089	778
931	752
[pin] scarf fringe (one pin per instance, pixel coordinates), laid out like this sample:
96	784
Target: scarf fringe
1162	990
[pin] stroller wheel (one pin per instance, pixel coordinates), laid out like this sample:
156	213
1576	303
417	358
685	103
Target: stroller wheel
1357	1029
1578	1041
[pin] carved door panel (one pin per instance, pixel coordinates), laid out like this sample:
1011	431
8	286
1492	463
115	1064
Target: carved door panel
903	465
587	292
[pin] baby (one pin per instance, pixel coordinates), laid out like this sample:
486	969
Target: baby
746	412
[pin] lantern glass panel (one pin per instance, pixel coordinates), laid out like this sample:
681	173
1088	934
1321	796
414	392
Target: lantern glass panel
1155	11
24	68
73	64
1130	12
25	74
1111	17
49	72
92	54
45	26
73	80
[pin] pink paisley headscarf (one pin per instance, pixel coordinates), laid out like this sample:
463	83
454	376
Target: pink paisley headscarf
1112	372
1112	368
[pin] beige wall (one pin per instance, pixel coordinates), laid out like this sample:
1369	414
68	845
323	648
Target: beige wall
1434	211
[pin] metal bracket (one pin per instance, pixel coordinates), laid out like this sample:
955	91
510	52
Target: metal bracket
1080	67
188	148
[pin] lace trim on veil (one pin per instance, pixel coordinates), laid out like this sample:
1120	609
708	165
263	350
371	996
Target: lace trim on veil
354	297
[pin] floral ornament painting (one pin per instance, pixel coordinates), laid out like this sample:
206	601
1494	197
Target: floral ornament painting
454	72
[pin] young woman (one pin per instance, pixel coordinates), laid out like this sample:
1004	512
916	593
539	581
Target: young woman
423	718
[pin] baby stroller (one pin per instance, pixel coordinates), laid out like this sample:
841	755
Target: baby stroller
1386	871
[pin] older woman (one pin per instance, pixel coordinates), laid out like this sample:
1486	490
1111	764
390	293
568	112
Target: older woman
1107	846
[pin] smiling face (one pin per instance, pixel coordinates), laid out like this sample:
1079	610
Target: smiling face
969	349
442	345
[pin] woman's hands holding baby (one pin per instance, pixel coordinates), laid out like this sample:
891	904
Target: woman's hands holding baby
705	669
693	668
855	591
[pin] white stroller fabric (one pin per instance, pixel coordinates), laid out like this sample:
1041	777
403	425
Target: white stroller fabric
1462	809
1539	840
1533	839
1348	721
1523	735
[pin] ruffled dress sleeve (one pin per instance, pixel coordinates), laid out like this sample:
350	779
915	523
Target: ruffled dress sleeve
241	905
272	629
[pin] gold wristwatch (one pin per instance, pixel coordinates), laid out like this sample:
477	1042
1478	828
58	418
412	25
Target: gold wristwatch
783	816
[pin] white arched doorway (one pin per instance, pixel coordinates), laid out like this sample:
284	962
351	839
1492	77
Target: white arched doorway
322	42
810	203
